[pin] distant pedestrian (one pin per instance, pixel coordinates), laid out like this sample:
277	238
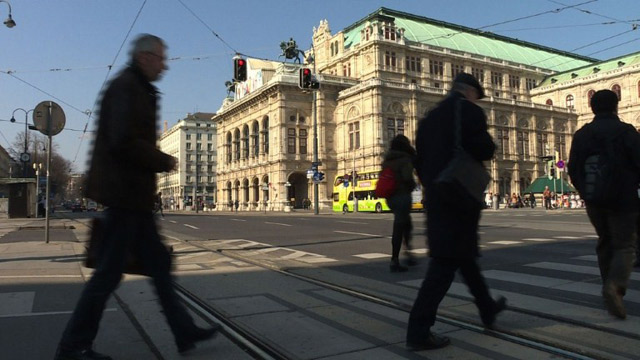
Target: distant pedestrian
452	231
532	200
236	204
399	159
158	204
546	197
609	186
122	176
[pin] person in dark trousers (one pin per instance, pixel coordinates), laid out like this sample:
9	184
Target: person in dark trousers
122	177
452	231
158	205
532	200
615	219
399	159
236	205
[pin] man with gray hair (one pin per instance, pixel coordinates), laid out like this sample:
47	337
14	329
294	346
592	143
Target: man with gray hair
122	177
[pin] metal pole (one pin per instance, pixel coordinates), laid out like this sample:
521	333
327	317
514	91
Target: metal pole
37	188
46	232
353	181
26	142
316	202
195	188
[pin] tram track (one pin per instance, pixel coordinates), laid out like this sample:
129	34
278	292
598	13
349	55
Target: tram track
261	348
512	337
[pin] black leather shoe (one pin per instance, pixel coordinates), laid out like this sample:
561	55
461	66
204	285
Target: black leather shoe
432	342
86	354
498	307
196	335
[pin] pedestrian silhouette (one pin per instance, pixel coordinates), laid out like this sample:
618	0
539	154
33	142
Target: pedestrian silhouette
452	230
122	176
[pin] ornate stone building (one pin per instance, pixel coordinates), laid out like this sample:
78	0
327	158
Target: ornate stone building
378	78
574	88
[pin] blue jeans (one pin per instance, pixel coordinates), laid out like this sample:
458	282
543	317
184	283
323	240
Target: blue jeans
125	232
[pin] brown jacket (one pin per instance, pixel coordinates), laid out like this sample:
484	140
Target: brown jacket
125	158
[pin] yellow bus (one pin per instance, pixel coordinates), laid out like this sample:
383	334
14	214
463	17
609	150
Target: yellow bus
367	200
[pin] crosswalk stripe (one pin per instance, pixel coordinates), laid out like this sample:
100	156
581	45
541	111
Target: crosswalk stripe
537	239
505	242
372	255
587	257
579	269
569	237
555	283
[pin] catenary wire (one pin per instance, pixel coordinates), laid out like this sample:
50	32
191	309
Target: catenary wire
106	78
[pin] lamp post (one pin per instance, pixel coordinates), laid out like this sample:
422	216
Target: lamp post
37	167
9	22
24	157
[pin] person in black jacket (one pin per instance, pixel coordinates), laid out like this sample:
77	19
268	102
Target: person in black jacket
615	219
452	231
400	159
122	176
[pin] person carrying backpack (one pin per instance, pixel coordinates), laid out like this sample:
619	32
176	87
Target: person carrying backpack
399	159
604	166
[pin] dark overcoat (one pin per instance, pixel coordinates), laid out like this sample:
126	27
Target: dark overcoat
451	233
125	158
626	142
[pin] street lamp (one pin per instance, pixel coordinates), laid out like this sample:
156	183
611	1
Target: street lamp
24	157
9	22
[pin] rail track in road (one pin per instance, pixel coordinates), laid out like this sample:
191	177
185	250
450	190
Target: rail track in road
261	348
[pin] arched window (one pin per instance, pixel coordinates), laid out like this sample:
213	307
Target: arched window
245	142
638	88
255	134
549	102
616	89
332	52
227	145
589	96
569	101
236	145
265	134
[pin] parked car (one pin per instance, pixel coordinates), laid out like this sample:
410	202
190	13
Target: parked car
92	206
76	207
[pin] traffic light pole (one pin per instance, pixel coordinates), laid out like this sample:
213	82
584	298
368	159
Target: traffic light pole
316	203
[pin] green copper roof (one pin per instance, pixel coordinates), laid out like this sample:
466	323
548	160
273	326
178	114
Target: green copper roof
451	36
604	66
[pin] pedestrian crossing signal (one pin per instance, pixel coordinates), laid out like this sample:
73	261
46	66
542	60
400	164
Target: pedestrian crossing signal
307	80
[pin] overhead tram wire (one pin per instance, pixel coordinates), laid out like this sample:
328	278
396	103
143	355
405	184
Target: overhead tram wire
207	26
106	78
592	13
587	45
566	26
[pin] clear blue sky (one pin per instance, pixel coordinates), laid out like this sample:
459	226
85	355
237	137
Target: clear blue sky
82	38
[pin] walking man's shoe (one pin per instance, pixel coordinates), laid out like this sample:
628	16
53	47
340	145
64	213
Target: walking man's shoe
490	319
431	342
85	354
613	301
197	335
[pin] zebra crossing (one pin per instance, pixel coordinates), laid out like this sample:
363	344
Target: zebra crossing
540	292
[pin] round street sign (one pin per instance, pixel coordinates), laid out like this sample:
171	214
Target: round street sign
560	164
41	114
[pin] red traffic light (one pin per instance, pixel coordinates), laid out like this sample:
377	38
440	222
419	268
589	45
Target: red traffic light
239	69
240	62
306	72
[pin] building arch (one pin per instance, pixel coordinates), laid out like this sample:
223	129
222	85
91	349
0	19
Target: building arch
245	192
570	101
298	189
618	90
228	147
255	192
549	102
590	94
229	197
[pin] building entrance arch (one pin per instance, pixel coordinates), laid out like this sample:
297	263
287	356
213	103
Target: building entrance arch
299	189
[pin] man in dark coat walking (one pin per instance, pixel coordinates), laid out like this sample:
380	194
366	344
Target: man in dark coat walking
122	176
615	218
452	231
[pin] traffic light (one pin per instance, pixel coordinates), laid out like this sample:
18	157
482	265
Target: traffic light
320	176
305	78
551	169
239	69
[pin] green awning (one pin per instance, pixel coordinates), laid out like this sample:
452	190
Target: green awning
560	185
